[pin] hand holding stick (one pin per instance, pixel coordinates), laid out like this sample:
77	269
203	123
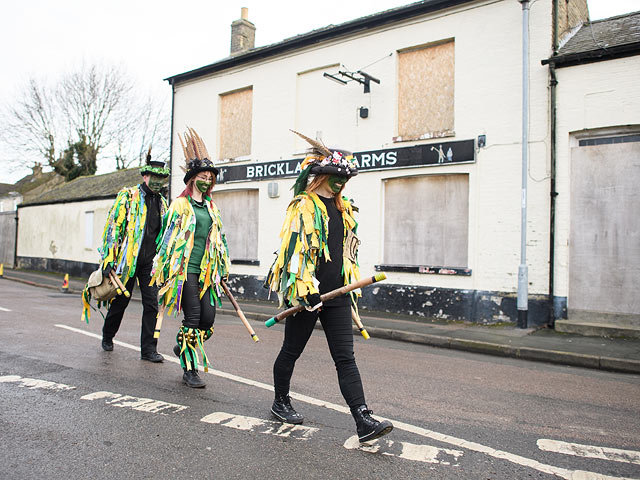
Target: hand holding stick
118	284
238	310
378	277
358	323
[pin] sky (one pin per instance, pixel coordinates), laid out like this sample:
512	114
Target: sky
156	39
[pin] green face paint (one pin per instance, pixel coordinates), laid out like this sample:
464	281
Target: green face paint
202	185
336	182
157	183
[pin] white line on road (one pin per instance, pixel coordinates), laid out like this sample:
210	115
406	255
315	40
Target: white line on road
4	309
33	383
240	422
135	403
589	451
441	437
408	451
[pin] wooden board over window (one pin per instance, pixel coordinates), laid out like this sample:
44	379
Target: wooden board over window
239	211
426	91
433	228
235	123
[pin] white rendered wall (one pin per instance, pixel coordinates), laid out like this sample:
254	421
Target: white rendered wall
58	230
488	56
594	99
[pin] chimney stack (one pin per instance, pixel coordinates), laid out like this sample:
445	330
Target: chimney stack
243	34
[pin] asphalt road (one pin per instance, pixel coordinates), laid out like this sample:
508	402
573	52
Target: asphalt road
71	410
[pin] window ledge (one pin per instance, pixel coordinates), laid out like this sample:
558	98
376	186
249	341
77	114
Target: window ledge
424	136
435	270
240	261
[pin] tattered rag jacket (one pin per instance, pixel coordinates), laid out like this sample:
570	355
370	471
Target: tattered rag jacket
175	244
124	231
304	237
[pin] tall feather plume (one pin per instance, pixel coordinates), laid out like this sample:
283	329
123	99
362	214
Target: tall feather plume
317	147
149	156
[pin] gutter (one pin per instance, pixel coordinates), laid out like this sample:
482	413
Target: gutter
15	244
321	35
69	200
173	102
580	58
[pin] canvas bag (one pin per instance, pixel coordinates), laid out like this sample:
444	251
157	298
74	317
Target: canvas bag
101	289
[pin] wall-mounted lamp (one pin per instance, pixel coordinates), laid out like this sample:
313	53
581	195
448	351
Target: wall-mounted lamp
364	112
482	141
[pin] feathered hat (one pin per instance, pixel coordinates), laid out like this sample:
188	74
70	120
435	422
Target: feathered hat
154	166
322	161
196	156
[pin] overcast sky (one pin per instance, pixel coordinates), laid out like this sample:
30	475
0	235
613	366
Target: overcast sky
159	38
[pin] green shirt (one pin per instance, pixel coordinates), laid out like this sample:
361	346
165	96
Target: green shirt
203	225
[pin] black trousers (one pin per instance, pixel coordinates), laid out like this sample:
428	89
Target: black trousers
112	321
336	322
197	313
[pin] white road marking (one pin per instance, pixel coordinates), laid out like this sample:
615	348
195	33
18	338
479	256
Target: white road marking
408	451
34	383
589	451
240	422
135	403
4	309
440	437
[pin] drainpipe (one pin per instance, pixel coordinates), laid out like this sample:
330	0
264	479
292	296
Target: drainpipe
553	82
173	97
523	274
15	245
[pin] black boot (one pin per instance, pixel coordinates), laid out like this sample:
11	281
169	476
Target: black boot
283	411
191	378
369	428
107	344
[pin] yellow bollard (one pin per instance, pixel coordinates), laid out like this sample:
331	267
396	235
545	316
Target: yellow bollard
1	270
65	284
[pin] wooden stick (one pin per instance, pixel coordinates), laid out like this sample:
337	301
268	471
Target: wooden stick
156	332
238	310
358	323
378	277
119	286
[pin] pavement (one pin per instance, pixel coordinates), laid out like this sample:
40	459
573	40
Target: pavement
541	345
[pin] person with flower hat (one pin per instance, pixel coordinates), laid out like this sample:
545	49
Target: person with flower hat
314	259
192	259
128	247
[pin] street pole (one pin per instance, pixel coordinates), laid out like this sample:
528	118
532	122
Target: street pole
523	274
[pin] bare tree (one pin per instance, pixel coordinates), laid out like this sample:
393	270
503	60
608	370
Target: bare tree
91	112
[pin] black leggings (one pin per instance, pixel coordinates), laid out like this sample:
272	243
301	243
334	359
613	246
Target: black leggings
197	313
336	322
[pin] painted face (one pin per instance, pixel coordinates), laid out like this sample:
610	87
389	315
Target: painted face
203	181
157	183
336	182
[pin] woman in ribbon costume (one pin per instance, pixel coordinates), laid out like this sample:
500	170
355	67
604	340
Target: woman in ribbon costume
192	258
316	256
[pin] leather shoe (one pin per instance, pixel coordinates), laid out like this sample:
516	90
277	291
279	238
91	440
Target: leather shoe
191	378
154	357
107	345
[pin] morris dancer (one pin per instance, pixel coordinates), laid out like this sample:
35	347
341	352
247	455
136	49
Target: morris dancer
192	258
128	248
316	256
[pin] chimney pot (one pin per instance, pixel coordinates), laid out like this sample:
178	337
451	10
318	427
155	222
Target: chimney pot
243	33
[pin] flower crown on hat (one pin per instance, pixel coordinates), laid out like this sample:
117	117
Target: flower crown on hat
154	166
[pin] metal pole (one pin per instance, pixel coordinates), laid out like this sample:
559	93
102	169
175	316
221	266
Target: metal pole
523	274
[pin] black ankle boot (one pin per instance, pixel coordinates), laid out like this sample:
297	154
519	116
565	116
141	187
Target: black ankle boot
191	378
369	428
284	412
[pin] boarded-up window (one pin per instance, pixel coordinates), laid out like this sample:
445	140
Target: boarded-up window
426	91
239	211
235	123
426	220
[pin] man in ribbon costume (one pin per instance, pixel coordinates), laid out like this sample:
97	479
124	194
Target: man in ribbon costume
317	255
128	248
192	258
